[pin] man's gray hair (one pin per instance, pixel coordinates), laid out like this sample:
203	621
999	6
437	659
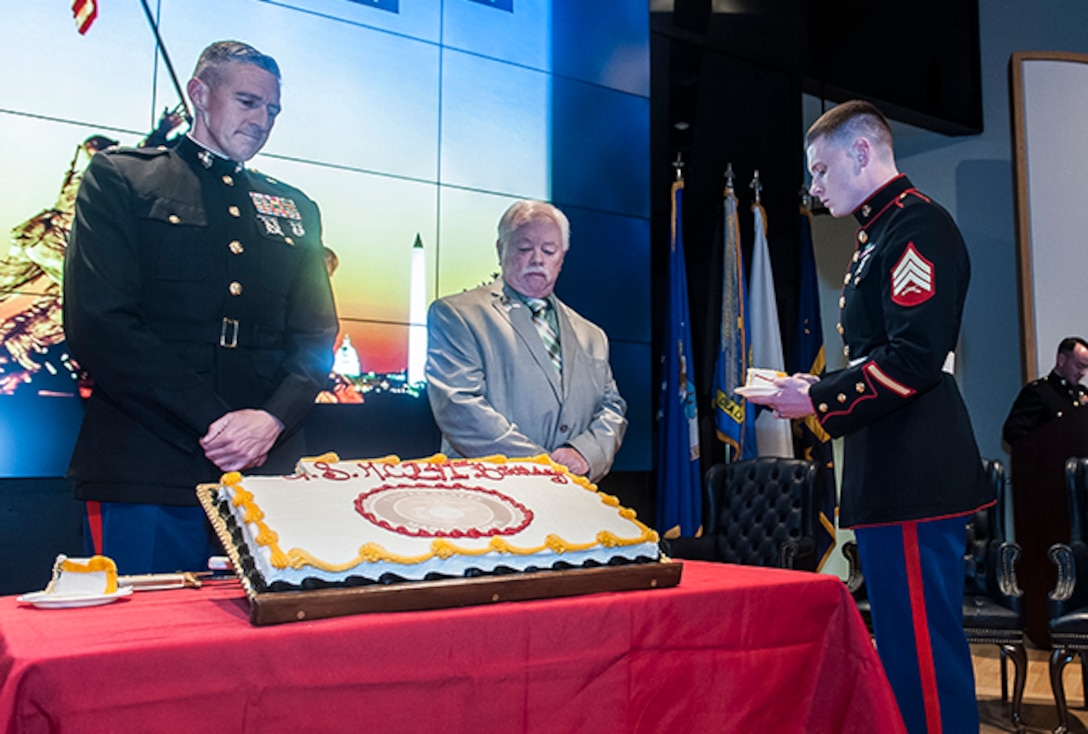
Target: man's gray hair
522	212
212	60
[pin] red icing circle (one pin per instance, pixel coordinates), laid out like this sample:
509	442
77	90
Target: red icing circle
436	510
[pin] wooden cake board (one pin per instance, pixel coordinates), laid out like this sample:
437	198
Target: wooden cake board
291	606
276	607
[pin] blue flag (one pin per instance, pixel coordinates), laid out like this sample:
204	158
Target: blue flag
814	441
679	480
734	421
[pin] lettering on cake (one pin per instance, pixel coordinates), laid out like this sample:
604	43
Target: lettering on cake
442	510
417	471
423	471
498	472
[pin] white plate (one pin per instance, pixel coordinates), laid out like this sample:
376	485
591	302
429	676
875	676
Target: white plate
42	600
756	391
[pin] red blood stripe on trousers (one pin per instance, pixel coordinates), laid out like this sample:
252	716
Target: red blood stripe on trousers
926	668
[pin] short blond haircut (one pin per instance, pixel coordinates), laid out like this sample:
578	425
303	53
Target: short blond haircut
850	120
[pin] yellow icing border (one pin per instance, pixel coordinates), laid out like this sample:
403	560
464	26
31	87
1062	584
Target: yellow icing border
440	547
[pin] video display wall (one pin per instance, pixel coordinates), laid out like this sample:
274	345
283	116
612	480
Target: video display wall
412	123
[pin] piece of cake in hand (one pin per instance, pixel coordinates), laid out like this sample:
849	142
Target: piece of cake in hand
92	576
759	377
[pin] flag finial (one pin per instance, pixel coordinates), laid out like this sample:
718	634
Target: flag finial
756	185
678	164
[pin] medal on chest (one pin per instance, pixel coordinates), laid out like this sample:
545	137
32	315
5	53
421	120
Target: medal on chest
274	212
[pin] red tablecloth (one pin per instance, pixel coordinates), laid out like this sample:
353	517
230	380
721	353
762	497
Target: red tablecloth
731	649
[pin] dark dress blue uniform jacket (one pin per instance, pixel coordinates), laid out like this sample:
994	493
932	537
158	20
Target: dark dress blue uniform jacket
192	287
909	449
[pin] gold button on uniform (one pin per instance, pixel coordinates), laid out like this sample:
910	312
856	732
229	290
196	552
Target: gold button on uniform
173	219
846	351
842	301
822	407
235	288
841	398
236	247
234	211
846	280
838	328
227	179
866	210
860	387
863	236
288	240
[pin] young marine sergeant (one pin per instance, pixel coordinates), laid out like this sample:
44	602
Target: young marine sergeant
911	467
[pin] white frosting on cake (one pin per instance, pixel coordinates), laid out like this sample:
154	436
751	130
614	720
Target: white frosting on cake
334	519
83	576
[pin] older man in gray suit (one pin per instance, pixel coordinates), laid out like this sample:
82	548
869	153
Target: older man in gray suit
513	370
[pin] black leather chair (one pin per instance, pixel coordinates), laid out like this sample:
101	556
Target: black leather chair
1068	602
993	609
757	512
993	604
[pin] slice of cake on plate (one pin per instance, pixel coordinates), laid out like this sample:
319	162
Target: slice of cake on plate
83	576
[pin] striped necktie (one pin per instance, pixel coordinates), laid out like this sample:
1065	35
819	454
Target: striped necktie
539	307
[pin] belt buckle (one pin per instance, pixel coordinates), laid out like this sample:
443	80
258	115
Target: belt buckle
228	334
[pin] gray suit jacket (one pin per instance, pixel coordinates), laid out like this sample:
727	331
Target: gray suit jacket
493	388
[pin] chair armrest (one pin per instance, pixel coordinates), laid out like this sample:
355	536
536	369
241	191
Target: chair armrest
1061	555
854	581
794	549
1008	553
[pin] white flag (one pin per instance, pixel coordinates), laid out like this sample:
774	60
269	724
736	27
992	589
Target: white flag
773	436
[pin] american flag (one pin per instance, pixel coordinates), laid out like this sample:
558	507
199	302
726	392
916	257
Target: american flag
84	11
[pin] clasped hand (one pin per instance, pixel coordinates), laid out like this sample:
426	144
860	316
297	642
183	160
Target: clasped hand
241	439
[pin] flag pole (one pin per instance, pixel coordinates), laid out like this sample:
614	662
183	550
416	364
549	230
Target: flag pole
679	479
166	57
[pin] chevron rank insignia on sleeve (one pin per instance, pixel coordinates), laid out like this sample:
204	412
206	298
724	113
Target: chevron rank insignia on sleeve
912	278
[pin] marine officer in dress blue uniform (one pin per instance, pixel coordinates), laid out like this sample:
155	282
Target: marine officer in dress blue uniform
196	296
911	467
1052	396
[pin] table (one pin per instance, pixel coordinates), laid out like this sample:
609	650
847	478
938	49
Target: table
732	648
